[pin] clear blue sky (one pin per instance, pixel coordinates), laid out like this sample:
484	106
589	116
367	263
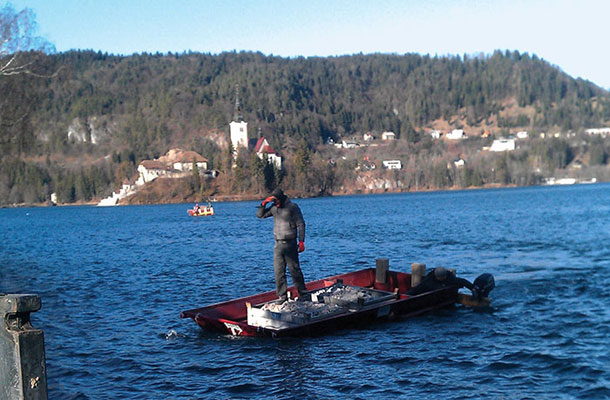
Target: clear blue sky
572	35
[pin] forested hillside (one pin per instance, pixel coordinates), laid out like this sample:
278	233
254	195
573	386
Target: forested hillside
83	121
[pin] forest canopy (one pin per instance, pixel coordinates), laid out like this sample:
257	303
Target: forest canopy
82	107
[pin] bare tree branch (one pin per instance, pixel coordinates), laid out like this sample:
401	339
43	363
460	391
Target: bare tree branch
18	34
6	70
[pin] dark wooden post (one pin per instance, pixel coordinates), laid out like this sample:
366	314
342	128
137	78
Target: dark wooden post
22	358
382	266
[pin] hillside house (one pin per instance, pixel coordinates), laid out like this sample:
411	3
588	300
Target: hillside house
177	163
435	134
603	132
262	147
182	160
456	134
392	164
349	144
368	137
459	163
502	144
522	135
388	136
152	169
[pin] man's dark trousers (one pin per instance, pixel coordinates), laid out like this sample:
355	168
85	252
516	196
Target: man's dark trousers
285	253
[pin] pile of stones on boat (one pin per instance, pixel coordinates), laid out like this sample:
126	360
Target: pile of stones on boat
324	302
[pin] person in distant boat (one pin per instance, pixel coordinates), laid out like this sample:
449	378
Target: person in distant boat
288	226
439	278
196	208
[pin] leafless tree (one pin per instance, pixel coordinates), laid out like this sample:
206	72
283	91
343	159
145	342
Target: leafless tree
18	33
20	51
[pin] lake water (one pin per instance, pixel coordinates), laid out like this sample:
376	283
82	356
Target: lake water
114	280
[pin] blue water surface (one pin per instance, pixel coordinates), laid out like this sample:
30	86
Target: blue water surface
114	280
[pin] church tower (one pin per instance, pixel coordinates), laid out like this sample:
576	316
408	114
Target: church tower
239	128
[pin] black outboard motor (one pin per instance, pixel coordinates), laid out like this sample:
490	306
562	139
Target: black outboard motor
483	285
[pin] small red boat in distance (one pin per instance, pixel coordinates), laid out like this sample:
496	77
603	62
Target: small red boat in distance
336	302
201	211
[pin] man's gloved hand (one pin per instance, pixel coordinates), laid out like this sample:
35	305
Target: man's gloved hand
268	200
301	247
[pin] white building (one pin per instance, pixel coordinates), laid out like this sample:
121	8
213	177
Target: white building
182	160
263	148
388	136
152	169
392	164
176	163
456	134
503	145
367	137
459	163
238	127
349	144
522	135
598	131
436	134
239	134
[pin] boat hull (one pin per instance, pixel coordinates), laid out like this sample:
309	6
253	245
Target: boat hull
203	212
231	317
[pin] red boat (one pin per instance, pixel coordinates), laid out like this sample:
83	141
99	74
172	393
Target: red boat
367	298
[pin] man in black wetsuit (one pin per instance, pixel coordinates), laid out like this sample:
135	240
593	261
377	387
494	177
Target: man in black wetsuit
288	224
439	278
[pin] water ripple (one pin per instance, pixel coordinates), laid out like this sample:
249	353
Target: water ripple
113	281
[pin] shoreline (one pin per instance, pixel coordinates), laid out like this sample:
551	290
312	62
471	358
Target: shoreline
253	197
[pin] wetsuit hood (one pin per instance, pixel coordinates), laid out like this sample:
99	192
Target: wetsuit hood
279	194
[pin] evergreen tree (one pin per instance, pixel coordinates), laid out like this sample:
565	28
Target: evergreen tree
195	178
